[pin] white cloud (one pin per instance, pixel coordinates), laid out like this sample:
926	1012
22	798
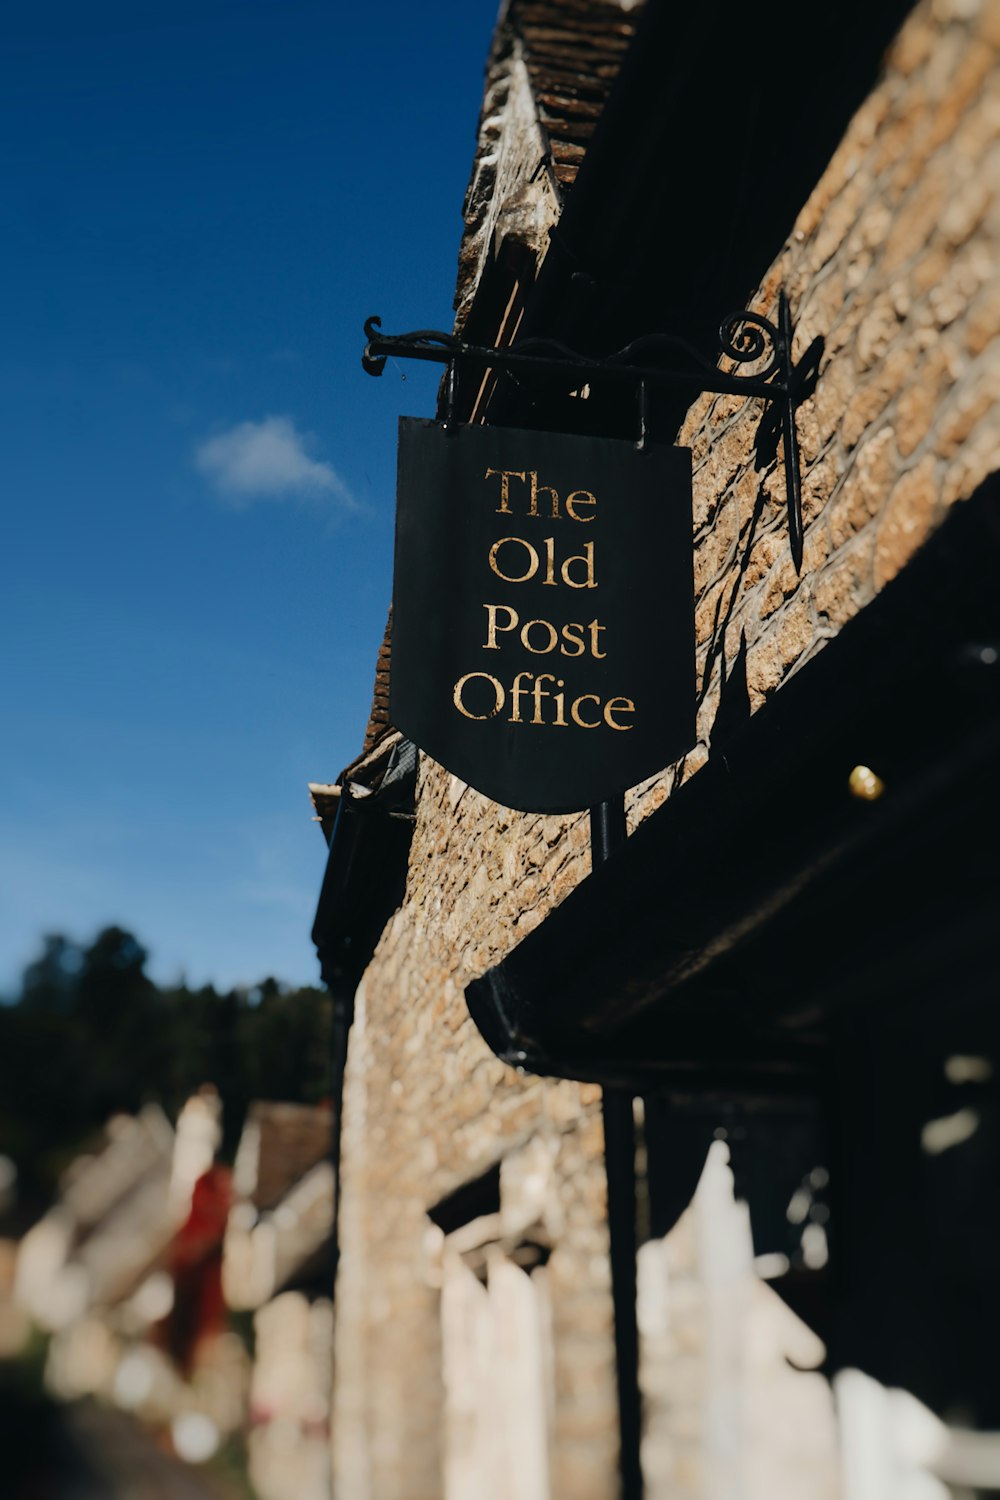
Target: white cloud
267	460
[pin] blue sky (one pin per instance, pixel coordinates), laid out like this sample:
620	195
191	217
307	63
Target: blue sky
203	201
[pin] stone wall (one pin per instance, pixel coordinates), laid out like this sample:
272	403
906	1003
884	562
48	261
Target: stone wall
893	263
428	1108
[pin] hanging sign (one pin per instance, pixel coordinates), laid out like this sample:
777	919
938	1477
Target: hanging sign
543	612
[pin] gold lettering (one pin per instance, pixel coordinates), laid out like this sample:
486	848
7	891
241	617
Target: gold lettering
539	688
575	710
553	637
532	554
516	694
595	631
538	692
587	558
497	688
492	626
506	475
578	498
572	640
536	489
550	560
611	708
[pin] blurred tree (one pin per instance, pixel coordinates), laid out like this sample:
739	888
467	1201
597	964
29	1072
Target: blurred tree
49	983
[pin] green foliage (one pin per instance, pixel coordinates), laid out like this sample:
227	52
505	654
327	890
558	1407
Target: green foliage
91	1034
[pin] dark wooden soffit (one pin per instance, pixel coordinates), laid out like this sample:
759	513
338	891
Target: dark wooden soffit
740	921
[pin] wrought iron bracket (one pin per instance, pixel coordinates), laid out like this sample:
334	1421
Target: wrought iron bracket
760	350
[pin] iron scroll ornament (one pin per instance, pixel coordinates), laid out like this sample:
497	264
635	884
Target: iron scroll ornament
746	338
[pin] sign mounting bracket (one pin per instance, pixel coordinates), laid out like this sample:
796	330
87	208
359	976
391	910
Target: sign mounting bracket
760	350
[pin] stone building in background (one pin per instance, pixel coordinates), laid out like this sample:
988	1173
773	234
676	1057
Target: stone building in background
151	1247
123	1275
787	975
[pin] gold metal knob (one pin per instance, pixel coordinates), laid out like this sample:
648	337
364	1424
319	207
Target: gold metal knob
865	785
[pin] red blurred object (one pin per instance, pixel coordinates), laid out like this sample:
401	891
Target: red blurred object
195	1263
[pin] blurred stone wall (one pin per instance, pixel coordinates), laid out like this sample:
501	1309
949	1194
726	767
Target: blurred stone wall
733	1403
427	1109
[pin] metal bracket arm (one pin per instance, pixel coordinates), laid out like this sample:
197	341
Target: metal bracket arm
745	338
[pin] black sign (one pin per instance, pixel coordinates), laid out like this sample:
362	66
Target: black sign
543	613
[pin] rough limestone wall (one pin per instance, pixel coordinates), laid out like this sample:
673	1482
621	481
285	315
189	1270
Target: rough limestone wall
895	263
428	1108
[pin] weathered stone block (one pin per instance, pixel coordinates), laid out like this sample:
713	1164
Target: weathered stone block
907	519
